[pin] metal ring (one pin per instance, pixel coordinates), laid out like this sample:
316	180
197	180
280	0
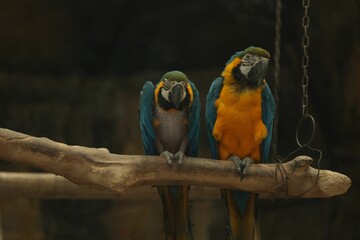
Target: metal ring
307	116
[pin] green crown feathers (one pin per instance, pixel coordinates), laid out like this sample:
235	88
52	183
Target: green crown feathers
253	50
175	76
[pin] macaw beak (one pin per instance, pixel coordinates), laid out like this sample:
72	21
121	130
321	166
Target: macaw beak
176	95
257	72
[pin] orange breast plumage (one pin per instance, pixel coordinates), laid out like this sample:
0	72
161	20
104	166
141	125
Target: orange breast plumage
238	128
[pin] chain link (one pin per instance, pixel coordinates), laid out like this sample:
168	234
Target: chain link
305	58
302	145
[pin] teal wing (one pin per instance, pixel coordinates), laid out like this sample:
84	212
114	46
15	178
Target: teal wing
211	114
194	123
268	112
146	109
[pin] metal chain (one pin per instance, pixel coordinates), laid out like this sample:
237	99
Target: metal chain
305	77
305	58
282	187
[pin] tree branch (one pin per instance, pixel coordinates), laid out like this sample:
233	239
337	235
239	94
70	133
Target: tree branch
50	186
98	168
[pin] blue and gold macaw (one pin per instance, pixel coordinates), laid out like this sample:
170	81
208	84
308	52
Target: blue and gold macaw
239	118
170	124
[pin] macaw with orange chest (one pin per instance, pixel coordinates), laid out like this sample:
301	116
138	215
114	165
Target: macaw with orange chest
239	118
170	125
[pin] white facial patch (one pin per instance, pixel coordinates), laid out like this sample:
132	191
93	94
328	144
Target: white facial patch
165	94
245	69
247	62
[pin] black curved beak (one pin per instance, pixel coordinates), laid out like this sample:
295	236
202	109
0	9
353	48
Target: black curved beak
176	95
258	72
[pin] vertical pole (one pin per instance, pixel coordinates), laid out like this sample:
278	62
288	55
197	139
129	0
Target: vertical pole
274	143
1	232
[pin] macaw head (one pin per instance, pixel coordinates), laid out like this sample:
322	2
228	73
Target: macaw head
174	91
247	68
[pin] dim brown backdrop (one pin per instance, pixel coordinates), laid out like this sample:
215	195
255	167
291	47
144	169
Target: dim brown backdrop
72	71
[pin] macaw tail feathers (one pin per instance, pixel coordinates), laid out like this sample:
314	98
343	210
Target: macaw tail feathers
243	215
176	211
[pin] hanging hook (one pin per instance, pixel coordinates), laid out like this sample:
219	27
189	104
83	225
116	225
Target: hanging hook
312	121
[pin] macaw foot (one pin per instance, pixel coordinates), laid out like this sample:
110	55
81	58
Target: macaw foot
180	157
241	165
169	157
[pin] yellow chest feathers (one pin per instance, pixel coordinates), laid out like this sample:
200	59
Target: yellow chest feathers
238	128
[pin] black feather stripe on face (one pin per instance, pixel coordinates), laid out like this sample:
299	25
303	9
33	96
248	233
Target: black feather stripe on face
166	105
241	83
237	74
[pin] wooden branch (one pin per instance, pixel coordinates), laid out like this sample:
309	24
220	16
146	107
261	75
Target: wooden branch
45	185
98	168
50	186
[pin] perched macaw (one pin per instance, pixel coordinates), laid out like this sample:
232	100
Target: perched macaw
239	118
170	124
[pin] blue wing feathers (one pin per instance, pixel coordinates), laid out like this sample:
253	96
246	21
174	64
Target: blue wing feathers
211	114
146	107
194	123
268	111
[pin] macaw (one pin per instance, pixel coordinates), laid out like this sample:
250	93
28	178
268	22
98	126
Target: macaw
239	118
170	124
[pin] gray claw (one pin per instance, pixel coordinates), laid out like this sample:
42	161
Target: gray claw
180	157
237	161
169	157
246	162
241	165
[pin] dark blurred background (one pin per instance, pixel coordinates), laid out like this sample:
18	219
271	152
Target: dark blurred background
72	71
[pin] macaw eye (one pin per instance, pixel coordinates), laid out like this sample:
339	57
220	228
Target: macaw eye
245	60
248	60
